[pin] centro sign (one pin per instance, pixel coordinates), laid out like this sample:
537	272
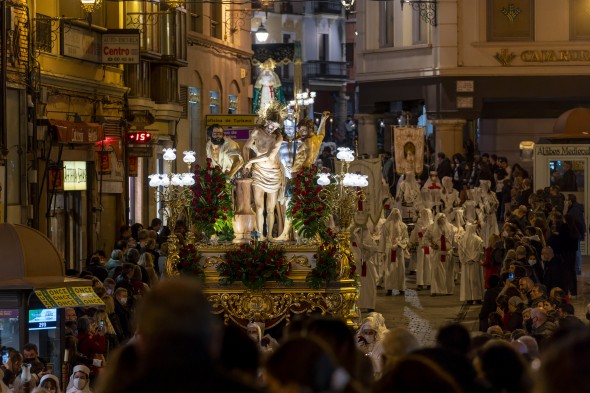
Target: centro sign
120	47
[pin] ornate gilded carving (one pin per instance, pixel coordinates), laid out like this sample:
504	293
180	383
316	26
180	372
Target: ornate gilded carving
505	57
212	261
300	260
511	12
273	307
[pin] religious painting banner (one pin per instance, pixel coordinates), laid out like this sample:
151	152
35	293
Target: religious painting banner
408	143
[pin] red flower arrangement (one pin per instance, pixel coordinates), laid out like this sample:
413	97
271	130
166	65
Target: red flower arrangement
254	264
188	263
212	202
307	207
326	268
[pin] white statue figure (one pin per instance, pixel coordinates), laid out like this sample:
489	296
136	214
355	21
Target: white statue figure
422	249
223	151
408	195
307	152
488	207
431	193
395	243
365	252
440	236
268	87
471	252
449	197
266	171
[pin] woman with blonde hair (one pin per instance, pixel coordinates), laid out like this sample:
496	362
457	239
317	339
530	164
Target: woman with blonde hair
147	261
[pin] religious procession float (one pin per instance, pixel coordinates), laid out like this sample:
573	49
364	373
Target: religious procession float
253	270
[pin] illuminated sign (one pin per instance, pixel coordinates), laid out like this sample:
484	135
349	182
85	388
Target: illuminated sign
74	175
43	319
139	137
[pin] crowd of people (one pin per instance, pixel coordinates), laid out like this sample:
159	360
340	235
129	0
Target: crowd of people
477	223
180	345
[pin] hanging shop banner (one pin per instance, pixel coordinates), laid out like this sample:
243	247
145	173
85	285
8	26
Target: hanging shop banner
132	163
74	175
409	149
77	133
56	179
68	297
104	162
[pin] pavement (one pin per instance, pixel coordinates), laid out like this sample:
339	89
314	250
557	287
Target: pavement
423	315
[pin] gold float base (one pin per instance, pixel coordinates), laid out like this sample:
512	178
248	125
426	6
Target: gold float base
275	304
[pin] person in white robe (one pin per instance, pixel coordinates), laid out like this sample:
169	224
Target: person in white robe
431	193
471	252
365	252
79	380
408	196
422	249
369	339
396	242
449	198
488	207
440	237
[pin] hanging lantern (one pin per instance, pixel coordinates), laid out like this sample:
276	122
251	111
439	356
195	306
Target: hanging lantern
347	4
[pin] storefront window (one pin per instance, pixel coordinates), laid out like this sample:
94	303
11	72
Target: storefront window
9	328
568	175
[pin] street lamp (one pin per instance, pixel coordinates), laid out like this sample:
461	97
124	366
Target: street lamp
261	33
347	4
174	193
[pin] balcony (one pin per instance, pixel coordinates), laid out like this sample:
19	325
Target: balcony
324	70
327	7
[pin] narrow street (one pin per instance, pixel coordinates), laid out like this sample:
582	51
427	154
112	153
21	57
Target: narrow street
423	314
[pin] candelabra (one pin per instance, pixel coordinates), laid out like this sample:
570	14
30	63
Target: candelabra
343	195
303	99
175	197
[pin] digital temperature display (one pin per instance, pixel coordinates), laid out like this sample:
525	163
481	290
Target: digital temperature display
139	137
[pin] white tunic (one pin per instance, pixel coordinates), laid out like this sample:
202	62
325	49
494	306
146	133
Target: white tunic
365	254
422	249
440	237
395	235
470	255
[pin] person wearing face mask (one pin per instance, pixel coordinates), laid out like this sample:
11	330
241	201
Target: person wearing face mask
369	338
50	383
79	380
123	313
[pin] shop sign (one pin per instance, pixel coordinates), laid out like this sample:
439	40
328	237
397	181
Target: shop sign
74	175
237	134
8	313
68	297
132	163
562	150
77	133
140	152
232	120
120	47
56	179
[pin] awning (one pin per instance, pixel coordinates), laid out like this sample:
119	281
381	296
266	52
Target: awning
68	297
77	133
